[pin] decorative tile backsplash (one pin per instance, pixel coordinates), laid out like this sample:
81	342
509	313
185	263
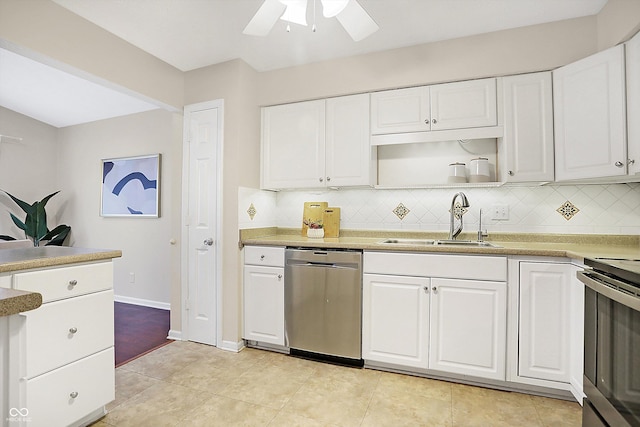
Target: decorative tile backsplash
594	209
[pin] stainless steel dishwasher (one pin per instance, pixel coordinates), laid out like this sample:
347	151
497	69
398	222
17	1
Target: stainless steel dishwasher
323	302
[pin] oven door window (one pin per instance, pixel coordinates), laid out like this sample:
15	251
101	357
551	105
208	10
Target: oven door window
618	357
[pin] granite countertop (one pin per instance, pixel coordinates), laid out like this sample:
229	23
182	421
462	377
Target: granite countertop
13	301
572	246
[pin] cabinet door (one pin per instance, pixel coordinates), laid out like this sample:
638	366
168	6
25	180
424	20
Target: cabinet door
589	113
349	160
293	139
544	321
528	128
633	103
468	327
264	304
395	319
467	104
401	110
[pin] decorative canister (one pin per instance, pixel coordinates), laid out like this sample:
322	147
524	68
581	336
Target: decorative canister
457	173
315	233
479	170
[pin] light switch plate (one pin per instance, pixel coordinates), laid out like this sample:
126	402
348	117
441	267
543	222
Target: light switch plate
500	212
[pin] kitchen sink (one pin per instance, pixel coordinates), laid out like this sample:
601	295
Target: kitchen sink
416	242
431	242
467	243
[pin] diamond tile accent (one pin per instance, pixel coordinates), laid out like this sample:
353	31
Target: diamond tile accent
252	211
568	210
458	210
401	211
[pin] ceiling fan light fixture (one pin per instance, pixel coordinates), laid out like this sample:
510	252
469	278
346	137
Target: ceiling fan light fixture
265	18
295	12
356	21
331	8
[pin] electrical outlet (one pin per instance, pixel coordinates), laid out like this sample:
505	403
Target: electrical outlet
132	278
500	212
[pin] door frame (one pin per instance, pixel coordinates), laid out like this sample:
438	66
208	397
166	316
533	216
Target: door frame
184	261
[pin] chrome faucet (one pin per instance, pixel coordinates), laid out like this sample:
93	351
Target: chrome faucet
454	231
481	233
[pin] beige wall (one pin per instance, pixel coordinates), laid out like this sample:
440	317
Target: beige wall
28	169
47	29
534	48
617	22
144	242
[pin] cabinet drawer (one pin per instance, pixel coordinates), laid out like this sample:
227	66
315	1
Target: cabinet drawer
66	282
49	397
264	255
50	341
472	267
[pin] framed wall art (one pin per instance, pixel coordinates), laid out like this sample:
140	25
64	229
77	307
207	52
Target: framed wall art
131	187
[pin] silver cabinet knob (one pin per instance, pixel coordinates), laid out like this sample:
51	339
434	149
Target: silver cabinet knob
426	122
208	242
511	173
631	161
261	257
73	394
434	289
619	164
279	276
426	289
73	282
434	121
73	330
328	178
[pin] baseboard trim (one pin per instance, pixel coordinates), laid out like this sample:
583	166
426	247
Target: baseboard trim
175	335
142	302
232	345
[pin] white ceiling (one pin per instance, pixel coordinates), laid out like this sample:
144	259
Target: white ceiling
190	34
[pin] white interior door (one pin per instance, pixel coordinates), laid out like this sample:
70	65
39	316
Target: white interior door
204	132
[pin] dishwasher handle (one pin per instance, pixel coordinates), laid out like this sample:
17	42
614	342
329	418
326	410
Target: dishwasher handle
324	265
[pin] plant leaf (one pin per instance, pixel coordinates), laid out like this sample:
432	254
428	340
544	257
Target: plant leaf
27	208
21	225
57	236
3	237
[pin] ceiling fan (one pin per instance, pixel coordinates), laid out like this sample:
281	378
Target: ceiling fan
355	20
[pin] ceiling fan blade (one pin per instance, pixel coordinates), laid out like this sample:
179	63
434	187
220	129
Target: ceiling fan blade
265	18
356	21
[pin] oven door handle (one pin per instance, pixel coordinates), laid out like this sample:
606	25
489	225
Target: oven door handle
591	280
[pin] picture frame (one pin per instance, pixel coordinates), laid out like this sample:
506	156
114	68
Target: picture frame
131	187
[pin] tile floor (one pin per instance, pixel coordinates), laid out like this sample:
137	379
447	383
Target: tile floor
188	384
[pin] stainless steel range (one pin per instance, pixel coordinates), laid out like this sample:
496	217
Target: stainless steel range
612	342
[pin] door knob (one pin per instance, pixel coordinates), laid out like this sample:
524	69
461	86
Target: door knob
208	242
619	164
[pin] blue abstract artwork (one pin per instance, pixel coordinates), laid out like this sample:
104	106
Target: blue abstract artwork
130	186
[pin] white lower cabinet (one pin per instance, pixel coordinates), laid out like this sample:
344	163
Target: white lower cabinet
62	354
66	395
548	345
468	327
264	295
448	324
396	309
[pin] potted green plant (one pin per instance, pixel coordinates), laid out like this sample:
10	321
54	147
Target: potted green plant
35	223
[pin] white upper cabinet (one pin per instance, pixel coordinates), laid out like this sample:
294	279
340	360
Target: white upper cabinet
590	121
468	104
633	104
527	146
293	138
401	110
350	161
459	105
313	144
